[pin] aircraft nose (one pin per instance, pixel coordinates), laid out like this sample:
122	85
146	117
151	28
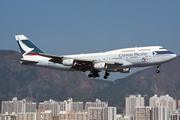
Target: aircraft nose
175	56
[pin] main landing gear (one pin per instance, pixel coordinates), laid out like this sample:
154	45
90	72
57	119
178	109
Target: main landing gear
158	71
93	74
106	75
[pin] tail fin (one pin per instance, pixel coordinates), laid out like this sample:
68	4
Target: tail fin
26	46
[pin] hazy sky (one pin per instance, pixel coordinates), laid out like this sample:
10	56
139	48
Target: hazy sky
85	26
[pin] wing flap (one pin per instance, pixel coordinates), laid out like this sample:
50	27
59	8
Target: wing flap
114	63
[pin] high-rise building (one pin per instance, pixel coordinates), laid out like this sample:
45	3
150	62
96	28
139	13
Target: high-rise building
52	105
164	100
97	103
72	115
142	113
77	106
160	113
9	106
17	106
47	115
131	102
30	107
119	117
62	106
56	106
21	106
102	113
152	113
70	105
26	116
178	104
175	115
8	116
38	115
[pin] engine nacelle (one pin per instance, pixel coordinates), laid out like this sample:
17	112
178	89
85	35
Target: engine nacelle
125	70
100	66
68	62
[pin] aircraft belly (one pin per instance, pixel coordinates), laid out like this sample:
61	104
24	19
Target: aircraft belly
60	67
55	66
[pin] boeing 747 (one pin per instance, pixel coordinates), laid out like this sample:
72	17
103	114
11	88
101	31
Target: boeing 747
120	60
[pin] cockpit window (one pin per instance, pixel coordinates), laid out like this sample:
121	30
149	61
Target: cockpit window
161	48
162	52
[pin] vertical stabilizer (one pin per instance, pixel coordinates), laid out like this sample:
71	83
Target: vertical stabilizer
26	46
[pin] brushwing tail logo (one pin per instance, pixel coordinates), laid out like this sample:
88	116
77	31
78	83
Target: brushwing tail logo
25	48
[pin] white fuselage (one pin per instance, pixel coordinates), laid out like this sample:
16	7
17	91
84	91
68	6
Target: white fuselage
130	57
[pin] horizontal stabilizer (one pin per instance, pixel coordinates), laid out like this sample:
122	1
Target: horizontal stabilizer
46	55
27	61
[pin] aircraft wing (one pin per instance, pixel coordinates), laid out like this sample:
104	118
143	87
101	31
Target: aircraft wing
81	64
22	60
84	65
58	59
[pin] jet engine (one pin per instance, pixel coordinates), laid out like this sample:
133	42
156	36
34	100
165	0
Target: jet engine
125	70
100	66
68	62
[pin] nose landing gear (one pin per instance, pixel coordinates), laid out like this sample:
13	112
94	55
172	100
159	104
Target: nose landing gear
158	71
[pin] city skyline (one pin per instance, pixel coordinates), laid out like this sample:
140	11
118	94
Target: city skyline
160	107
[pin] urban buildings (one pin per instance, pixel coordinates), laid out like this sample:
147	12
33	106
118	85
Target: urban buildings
142	113
52	105
72	115
164	100
21	106
160	108
56	106
131	102
102	113
56	110
97	103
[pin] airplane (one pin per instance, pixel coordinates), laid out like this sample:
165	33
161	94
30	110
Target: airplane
120	60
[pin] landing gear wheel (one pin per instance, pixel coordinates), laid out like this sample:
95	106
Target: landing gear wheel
106	74
157	71
97	75
90	75
105	77
93	74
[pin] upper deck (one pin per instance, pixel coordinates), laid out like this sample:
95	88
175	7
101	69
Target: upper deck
138	49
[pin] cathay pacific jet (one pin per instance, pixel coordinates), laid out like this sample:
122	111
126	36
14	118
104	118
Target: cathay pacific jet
120	60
